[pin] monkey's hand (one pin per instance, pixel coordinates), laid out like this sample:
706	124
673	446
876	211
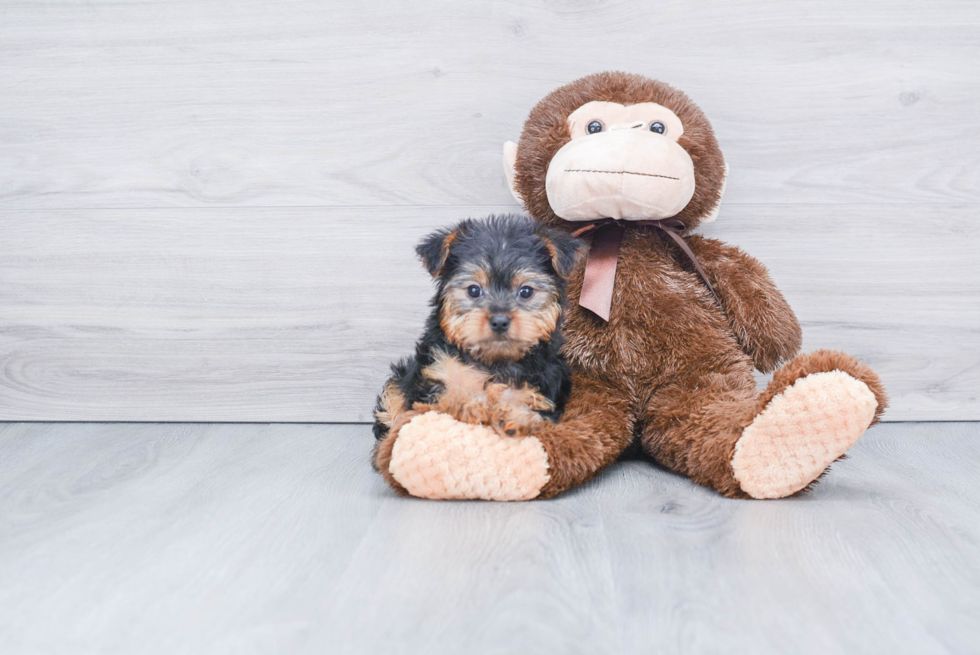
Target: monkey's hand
762	320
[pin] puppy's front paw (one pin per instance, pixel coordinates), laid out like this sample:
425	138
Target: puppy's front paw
465	407
518	397
517	420
514	411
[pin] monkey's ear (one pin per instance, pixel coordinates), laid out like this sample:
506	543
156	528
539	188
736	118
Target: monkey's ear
713	214
563	249
433	250
510	168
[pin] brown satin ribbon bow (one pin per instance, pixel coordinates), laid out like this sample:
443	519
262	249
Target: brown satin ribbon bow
600	269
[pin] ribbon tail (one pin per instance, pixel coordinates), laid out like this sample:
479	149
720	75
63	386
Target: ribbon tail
600	271
679	240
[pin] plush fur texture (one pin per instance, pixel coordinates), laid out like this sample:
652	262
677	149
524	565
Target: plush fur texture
440	458
546	131
800	432
672	371
506	270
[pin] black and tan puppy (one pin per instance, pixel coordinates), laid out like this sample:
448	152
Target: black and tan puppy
490	351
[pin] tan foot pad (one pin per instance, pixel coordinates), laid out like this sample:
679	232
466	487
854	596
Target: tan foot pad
800	432
436	456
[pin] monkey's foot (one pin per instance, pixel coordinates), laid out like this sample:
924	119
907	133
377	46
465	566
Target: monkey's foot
800	432
438	457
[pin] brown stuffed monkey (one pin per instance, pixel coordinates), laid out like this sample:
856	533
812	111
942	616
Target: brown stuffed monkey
663	328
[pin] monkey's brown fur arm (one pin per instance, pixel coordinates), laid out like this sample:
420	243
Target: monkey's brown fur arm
762	320
595	429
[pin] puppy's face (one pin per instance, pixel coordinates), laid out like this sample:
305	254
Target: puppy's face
499	313
501	283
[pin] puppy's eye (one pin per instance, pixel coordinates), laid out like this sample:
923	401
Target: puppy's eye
658	127
525	292
474	291
595	126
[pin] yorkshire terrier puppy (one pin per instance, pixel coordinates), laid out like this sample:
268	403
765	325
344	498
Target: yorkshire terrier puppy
490	351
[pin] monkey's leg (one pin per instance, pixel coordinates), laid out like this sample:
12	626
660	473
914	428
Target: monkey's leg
718	431
435	456
691	426
595	428
381	459
391	414
816	407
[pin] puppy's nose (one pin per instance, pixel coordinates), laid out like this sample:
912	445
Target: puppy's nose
499	323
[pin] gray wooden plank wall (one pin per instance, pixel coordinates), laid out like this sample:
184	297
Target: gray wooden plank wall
208	208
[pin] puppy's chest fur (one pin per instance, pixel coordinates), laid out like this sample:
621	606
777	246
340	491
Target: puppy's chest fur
539	379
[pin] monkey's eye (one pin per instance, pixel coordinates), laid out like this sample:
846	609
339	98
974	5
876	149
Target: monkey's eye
474	291
595	126
525	292
658	127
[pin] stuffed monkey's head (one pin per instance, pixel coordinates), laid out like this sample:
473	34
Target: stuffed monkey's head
614	145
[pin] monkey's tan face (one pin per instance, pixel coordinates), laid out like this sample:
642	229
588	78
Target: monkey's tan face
622	162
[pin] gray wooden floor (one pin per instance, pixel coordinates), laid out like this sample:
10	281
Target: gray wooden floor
210	538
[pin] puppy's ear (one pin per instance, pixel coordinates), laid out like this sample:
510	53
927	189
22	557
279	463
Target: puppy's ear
563	249
434	249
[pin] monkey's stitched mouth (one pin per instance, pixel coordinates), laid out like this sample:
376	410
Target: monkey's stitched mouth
586	170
